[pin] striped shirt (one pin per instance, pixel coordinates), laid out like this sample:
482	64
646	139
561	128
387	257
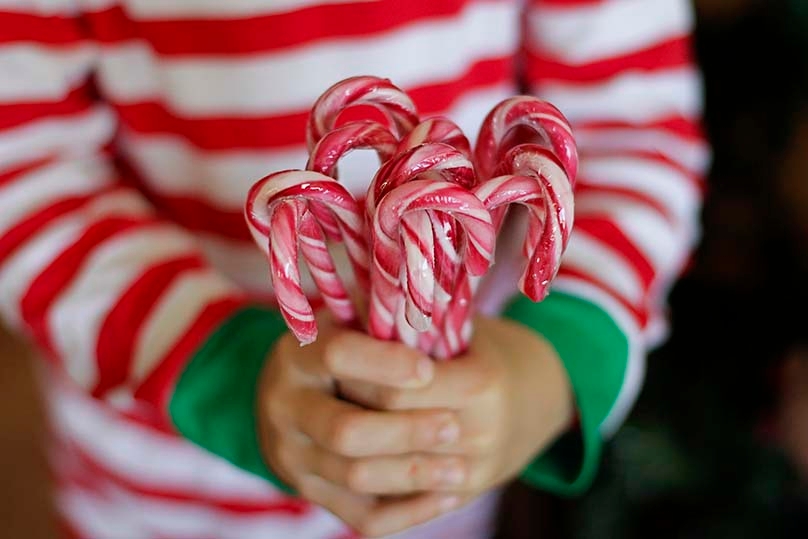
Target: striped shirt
131	130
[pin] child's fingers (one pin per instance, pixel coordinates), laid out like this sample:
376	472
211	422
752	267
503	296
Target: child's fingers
351	431
370	516
357	357
454	385
391	516
353	509
387	475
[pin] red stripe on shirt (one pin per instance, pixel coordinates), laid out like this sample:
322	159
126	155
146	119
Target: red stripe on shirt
672	54
268	32
567	3
283	130
15	173
121	328
587	189
75	102
199	215
651	155
272	504
18	234
640	314
57	276
680	126
158	386
48	30
605	231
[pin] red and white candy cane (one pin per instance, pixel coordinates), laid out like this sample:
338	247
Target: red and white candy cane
388	258
446	234
392	102
524	119
281	223
334	145
533	178
437	129
537	180
430	239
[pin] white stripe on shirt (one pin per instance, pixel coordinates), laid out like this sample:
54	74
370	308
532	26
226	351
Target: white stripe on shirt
284	81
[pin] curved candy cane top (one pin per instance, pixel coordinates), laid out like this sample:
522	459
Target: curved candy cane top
536	179
543	250
310	186
539	162
535	115
377	92
355	135
432	160
437	129
441	196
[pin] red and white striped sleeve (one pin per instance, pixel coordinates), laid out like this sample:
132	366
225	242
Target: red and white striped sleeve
118	297
624	74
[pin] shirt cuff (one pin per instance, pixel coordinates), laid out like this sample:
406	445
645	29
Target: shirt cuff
595	353
214	402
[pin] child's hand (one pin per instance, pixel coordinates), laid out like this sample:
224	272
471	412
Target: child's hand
511	394
342	456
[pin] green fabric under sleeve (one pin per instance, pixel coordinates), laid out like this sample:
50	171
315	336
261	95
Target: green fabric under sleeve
213	404
595	354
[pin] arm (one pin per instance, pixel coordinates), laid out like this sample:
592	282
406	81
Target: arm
117	298
622	72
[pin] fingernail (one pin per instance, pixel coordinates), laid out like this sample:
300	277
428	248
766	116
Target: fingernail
449	502
449	433
423	369
451	476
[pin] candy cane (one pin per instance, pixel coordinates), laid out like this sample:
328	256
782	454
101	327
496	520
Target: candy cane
540	122
446	234
387	257
437	129
394	104
278	217
538	180
430	239
335	144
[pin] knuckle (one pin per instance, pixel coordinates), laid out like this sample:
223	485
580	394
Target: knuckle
330	352
488	378
342	431
273	412
416	433
480	385
420	473
357	476
491	380
390	398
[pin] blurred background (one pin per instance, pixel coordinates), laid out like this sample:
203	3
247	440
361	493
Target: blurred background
717	446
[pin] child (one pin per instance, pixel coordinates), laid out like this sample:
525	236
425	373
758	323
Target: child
130	133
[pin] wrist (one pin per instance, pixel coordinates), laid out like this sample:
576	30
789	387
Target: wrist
542	406
595	352
547	391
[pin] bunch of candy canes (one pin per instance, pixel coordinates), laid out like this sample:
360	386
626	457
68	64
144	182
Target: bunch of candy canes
427	232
